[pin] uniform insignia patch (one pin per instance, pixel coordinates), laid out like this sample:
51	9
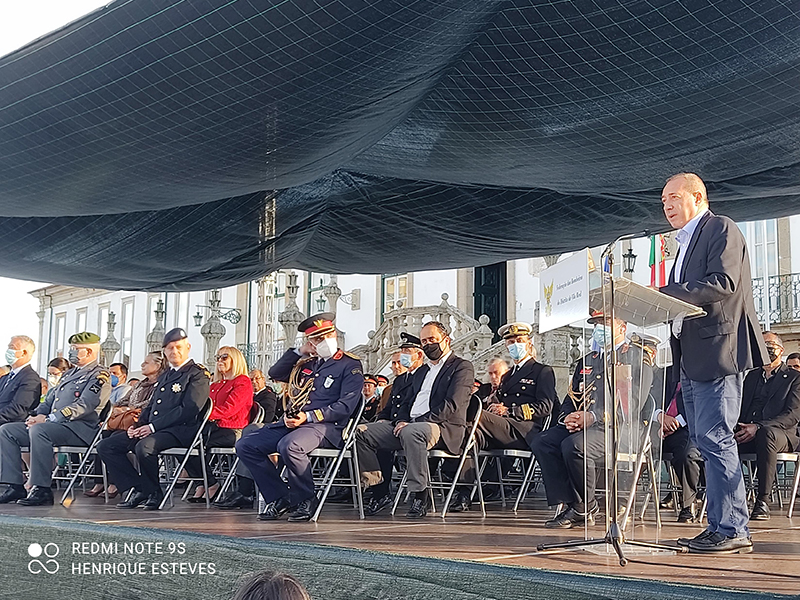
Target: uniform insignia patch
528	381
307	371
176	387
328	381
356	372
586	371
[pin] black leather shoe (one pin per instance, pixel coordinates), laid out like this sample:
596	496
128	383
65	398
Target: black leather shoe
135	500
340	495
154	500
718	543
668	503
235	500
460	502
275	510
39	496
701	536
760	511
687	515
13	493
304	511
419	506
376	505
570	518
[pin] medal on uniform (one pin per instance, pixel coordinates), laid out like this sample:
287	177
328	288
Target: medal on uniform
176	387
328	381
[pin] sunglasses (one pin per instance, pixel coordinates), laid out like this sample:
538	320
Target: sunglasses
220	357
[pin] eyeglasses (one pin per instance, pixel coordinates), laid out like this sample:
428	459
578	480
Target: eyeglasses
220	357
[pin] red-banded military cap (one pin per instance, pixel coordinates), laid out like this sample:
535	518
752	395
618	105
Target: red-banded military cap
317	325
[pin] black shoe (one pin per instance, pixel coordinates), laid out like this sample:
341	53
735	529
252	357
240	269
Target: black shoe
39	496
687	515
154	500
235	500
571	517
135	500
668	503
304	511
13	493
701	536
419	505
760	511
275	510
376	505
718	543
340	495
460	502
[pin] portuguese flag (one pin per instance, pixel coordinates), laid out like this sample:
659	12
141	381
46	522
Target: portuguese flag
658	276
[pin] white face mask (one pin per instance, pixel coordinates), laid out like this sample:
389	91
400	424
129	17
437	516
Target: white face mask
53	380
327	347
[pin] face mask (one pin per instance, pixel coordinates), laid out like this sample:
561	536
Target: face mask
11	356
518	350
379	390
774	353
433	351
406	360
52	380
114	381
73	356
600	334
327	347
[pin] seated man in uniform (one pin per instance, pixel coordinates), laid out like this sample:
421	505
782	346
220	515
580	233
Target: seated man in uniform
325	385
769	418
371	398
170	420
560	450
69	416
437	417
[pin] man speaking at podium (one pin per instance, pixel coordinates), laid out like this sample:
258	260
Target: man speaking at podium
712	271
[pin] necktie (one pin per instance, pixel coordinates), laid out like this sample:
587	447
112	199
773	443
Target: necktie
672	409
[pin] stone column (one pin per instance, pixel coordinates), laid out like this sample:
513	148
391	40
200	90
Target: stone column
111	346
155	338
213	330
291	317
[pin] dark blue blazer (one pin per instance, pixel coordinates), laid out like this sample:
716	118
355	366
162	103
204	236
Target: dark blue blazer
20	395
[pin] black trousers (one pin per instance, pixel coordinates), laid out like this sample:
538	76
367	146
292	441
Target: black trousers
214	436
113	451
561	457
686	461
769	441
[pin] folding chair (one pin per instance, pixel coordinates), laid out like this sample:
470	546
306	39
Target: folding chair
335	457
86	452
786	458
468	447
256	417
751	473
196	448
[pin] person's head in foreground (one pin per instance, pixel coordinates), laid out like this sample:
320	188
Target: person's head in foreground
271	585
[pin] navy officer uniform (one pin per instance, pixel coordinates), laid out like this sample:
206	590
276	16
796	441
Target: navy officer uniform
561	454
333	385
173	416
72	409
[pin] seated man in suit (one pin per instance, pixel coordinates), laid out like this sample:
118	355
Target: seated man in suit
561	450
170	420
769	419
793	361
686	459
69	416
21	389
324	391
437	417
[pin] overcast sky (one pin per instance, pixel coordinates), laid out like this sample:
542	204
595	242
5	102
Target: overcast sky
23	22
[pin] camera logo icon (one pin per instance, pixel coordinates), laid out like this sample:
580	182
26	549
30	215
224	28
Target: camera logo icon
48	565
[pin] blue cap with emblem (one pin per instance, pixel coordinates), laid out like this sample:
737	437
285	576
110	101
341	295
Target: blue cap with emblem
173	335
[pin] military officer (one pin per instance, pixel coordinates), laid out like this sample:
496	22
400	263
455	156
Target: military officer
396	410
170	420
560	449
69	416
325	385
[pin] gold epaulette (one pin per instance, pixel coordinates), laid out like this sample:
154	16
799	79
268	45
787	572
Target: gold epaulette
351	355
203	369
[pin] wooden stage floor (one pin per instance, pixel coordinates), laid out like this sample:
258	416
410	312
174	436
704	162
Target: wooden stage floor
500	538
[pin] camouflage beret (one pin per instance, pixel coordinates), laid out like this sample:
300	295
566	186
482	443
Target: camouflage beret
84	337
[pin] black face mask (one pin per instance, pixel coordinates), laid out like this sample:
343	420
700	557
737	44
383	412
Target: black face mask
433	351
773	353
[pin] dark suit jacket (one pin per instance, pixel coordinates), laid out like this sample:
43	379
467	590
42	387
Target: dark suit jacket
20	395
782	405
529	394
268	399
449	400
716	277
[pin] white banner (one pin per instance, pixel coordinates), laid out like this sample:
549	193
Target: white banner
564	292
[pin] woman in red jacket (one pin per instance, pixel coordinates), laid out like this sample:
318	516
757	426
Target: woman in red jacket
232	394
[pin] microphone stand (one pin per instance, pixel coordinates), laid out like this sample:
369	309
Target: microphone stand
614	536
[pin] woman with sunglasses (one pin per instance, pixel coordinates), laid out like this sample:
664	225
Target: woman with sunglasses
232	394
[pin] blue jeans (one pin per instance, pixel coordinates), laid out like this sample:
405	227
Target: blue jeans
712	411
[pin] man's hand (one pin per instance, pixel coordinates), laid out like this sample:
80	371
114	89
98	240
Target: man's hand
578	420
501	410
139	433
296	422
398	427
307	349
669	425
747	431
34	420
